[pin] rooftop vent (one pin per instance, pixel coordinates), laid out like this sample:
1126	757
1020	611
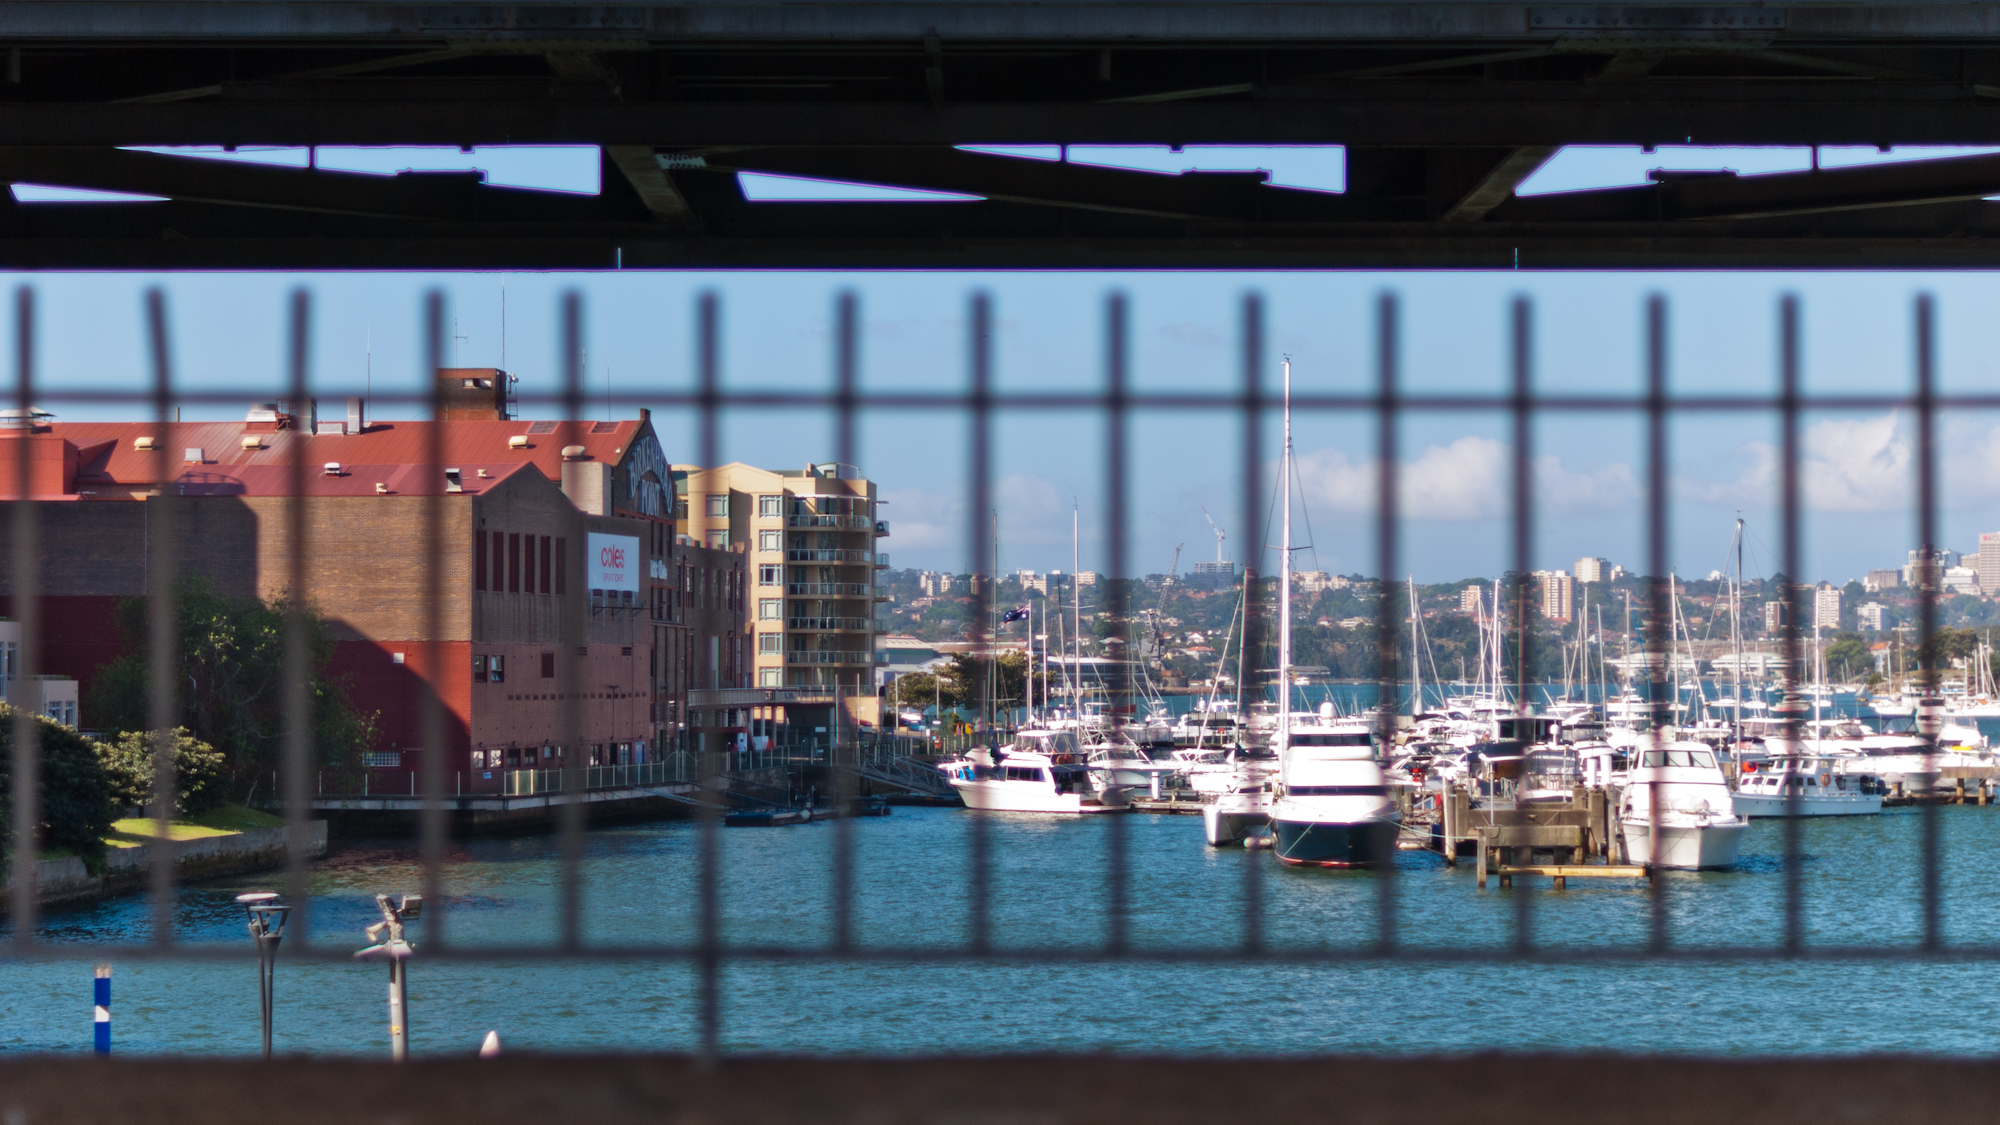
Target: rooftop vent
574	453
518	441
452	481
142	443
262	412
332	469
252	441
482	474
194	455
381	489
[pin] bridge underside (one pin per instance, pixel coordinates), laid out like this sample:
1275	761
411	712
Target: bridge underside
1443	109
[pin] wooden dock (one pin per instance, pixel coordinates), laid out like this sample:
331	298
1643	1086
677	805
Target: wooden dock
1178	801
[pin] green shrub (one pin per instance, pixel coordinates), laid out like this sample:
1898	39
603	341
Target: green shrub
199	779
75	792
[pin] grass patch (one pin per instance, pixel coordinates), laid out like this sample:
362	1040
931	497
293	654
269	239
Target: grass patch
227	820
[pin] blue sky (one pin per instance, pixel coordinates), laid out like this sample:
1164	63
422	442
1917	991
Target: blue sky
228	336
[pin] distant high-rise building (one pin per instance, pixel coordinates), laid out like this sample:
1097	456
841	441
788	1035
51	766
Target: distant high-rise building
1212	573
934	583
1777	612
1826	607
1879	580
1960	580
1558	590
1988	563
1472	600
1870	616
1917	573
1593	570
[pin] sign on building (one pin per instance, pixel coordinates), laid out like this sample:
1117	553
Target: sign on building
611	562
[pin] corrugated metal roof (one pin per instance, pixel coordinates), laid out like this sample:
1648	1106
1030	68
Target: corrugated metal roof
392	453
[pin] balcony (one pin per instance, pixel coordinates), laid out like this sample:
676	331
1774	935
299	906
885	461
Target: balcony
832	624
844	523
832	554
882	559
862	657
881	529
836	590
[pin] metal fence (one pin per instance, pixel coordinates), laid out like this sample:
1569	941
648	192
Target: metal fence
976	403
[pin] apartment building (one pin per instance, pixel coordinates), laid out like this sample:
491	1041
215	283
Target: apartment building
1593	570
1826	606
560	572
1870	616
1558	591
809	536
1987	561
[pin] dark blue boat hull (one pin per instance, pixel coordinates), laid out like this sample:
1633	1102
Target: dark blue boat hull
1368	844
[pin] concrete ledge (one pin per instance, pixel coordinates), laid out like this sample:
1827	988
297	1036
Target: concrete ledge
1007	1090
66	880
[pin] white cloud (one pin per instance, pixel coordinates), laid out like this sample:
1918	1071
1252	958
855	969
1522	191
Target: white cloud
1034	512
1469	479
1846	465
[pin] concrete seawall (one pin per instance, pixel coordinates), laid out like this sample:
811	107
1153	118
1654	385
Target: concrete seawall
67	880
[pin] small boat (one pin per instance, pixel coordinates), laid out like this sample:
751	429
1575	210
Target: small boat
1678	811
767	818
1804	786
1041	772
1242	806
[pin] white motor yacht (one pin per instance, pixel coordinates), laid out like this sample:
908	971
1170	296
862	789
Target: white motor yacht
1041	772
1331	806
1678	812
1804	786
1242	807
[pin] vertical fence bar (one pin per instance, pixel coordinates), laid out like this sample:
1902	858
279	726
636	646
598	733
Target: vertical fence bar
1388	531
1251	660
432	715
1657	610
1117	603
1520	408
571	801
845	358
27	566
1929	706
163	676
980	401
708	375
296	754
1789	600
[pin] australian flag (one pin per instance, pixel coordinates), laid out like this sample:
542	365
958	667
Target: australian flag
1020	614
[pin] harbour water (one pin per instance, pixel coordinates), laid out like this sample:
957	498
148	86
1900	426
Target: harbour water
1861	882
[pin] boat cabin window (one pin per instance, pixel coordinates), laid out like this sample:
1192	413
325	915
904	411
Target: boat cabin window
1695	759
1338	790
1334	738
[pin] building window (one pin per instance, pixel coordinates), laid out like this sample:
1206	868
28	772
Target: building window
718	505
770	677
496	669
479	560
562	567
770	575
546	545
770	642
770	506
548	665
513	564
528	564
478	669
770	540
718	539
383	759
770	609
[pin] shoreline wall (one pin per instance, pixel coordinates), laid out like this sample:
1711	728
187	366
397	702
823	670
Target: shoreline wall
68	880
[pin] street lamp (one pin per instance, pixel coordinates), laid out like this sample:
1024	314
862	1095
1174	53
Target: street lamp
389	946
267	928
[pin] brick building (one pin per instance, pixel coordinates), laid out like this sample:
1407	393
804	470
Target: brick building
559	564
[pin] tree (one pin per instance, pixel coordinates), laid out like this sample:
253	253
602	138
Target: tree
922	689
75	793
1848	656
128	765
230	684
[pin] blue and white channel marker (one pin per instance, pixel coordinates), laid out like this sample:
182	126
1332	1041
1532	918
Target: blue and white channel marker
102	1011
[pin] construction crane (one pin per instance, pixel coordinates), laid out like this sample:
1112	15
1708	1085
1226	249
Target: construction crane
1159	634
1219	536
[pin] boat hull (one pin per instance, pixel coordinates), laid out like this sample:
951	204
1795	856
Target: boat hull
1693	847
1003	796
1367	843
1227	822
1848	803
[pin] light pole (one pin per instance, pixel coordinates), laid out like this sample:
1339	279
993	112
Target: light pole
267	929
389	946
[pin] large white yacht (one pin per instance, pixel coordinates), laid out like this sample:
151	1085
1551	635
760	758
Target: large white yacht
1041	772
1804	786
1677	810
1330	806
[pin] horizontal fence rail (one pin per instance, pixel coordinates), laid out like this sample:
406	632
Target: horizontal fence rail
1249	404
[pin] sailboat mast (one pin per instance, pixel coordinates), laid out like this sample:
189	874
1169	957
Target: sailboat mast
1285	576
1416	654
1076	597
1736	632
